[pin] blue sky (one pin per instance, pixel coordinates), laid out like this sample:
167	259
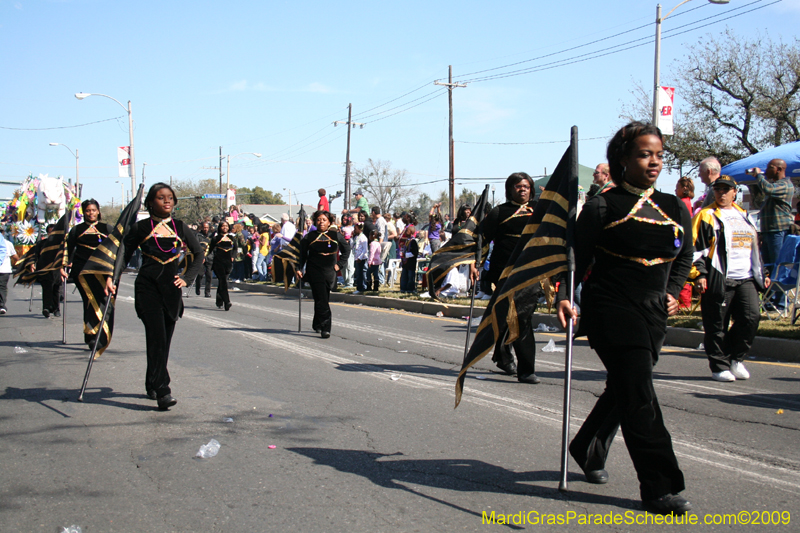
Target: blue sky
271	77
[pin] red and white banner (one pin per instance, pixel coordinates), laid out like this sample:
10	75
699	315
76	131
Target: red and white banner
231	197
124	158
666	98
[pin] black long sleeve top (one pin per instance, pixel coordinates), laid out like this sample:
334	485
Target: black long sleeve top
504	225
155	283
318	253
638	254
82	241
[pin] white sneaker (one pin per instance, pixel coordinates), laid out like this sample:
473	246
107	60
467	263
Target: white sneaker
738	370
725	375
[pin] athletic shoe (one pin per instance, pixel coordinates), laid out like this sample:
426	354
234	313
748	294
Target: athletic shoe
725	376
3	310
738	370
46	313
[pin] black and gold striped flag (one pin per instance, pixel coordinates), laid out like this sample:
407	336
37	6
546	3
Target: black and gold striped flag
284	263
48	254
541	252
106	261
460	249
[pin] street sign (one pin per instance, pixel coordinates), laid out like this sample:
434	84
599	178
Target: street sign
215	196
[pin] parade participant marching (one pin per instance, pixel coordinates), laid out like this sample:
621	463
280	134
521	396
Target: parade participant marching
157	291
222	247
638	242
318	252
82	241
504	225
50	280
204	239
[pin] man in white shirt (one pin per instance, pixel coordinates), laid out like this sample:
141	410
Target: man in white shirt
7	253
288	230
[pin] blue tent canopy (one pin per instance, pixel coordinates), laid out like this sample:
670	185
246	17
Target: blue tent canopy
788	152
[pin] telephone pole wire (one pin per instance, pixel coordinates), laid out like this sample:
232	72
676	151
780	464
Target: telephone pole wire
450	85
350	125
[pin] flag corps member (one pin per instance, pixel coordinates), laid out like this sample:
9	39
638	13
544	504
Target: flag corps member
157	290
504	225
638	243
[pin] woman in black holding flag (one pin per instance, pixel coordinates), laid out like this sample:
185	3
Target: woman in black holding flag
159	302
82	241
318	253
638	243
222	247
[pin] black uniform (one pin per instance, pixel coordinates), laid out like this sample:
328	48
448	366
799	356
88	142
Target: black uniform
82	241
204	241
504	225
222	248
318	252
641	253
158	301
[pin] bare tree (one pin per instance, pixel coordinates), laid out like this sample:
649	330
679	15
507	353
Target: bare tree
384	186
742	97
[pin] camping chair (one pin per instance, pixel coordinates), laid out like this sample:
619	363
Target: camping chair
422	270
785	282
391	271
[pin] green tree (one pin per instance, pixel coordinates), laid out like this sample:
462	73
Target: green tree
257	195
191	207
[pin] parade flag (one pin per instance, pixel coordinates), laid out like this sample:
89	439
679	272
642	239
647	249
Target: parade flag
460	249
47	255
106	261
231	198
541	252
285	262
124	159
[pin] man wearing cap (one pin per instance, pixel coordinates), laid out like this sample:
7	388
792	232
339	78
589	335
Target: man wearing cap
361	203
729	274
772	193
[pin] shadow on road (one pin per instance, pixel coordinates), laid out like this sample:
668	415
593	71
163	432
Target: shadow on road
463	475
101	395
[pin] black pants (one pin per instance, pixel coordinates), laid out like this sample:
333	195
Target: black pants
199	281
51	291
524	347
222	286
158	329
724	344
630	402
4	289
322	309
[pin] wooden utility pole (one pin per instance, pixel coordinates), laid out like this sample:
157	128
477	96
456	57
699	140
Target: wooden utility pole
350	124
452	177
221	200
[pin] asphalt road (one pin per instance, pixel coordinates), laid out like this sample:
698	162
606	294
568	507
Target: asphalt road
365	434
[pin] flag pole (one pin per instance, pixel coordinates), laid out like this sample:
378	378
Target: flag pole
64	312
94	347
299	279
30	302
573	195
474	285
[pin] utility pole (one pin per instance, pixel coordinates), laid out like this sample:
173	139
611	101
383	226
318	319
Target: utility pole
350	124
221	200
452	179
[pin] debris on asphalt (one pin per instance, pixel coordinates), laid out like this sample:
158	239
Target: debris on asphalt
209	450
551	347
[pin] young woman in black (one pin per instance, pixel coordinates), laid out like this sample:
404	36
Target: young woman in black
638	242
159	302
82	240
318	254
222	246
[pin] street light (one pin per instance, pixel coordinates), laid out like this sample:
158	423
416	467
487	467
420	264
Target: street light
659	19
290	201
77	158
122	197
132	169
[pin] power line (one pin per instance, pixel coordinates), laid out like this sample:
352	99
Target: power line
526	143
60	127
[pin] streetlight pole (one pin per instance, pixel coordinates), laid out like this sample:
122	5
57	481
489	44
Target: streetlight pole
132	169
77	166
122	195
657	69
290	201
228	172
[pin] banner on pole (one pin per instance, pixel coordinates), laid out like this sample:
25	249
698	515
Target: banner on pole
231	198
124	158
666	97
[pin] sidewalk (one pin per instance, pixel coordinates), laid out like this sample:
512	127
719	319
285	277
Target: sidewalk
764	348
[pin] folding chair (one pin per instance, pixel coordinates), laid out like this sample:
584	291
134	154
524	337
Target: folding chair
785	282
391	271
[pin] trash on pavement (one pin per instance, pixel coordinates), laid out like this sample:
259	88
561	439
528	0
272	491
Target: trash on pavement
271	446
551	347
20	349
209	450
395	377
439	313
227	420
545	328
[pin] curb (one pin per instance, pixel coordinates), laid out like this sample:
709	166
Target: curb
764	348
